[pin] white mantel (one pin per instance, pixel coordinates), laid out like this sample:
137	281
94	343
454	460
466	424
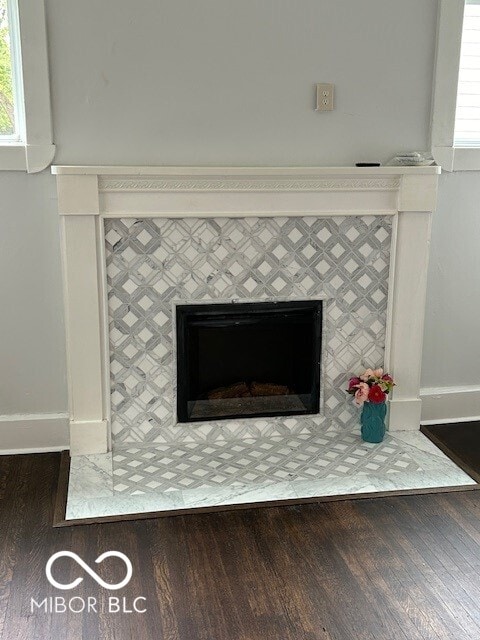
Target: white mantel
87	195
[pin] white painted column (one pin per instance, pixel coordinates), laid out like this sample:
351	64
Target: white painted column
78	208
416	201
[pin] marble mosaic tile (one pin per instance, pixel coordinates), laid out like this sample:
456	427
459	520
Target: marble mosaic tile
259	461
91	476
152	264
122	504
261	470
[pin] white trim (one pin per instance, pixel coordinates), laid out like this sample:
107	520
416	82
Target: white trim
274	213
193	172
86	315
450	420
389	319
21	451
85	321
88	436
148	192
458	158
449	40
444	156
404	413
35	152
189	184
78	195
418	193
21	157
450	404
104	328
407	289
33	433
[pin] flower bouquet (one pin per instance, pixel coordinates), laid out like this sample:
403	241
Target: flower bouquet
370	391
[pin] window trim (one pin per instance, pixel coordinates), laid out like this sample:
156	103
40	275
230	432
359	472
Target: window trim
447	67
35	151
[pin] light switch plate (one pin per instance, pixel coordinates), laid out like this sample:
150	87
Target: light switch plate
324	97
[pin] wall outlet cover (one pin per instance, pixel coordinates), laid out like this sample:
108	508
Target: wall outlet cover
324	97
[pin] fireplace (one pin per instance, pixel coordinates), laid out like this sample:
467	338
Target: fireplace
137	241
248	359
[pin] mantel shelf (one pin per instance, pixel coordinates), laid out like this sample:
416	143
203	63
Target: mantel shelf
243	171
249	191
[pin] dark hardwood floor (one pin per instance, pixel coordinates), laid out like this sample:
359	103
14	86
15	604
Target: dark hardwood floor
460	441
399	568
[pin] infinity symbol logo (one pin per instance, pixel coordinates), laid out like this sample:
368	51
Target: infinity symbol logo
85	567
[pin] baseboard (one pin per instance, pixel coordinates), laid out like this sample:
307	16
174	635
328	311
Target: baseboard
42	432
33	433
450	404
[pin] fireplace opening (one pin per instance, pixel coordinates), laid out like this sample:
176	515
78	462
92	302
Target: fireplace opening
248	359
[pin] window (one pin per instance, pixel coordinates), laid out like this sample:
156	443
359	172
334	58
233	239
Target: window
25	124
467	115
456	98
8	119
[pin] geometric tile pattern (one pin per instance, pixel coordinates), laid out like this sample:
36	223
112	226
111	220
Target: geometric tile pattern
152	264
198	465
404	461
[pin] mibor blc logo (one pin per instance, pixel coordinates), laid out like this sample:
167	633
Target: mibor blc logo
90	604
86	568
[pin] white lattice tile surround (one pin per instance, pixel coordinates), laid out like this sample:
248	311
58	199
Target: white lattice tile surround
154	263
165	477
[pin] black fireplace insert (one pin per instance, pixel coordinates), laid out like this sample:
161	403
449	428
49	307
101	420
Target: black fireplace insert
248	359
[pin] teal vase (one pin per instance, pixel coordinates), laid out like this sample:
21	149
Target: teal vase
373	421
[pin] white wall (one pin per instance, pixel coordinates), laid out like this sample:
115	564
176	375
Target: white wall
31	320
452	335
232	81
451	356
32	354
225	82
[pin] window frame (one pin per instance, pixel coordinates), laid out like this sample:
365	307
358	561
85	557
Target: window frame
451	157
34	151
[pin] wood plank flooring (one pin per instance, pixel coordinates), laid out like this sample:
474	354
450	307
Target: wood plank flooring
460	441
399	568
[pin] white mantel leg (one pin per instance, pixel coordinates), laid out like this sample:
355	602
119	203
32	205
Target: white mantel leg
407	314
84	326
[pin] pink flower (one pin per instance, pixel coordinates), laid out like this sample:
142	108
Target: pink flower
361	395
353	383
368	374
386	383
378	373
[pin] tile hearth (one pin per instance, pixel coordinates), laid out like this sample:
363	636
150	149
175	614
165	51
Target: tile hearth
164	477
139	241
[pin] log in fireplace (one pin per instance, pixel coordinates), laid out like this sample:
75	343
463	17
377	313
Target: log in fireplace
248	359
